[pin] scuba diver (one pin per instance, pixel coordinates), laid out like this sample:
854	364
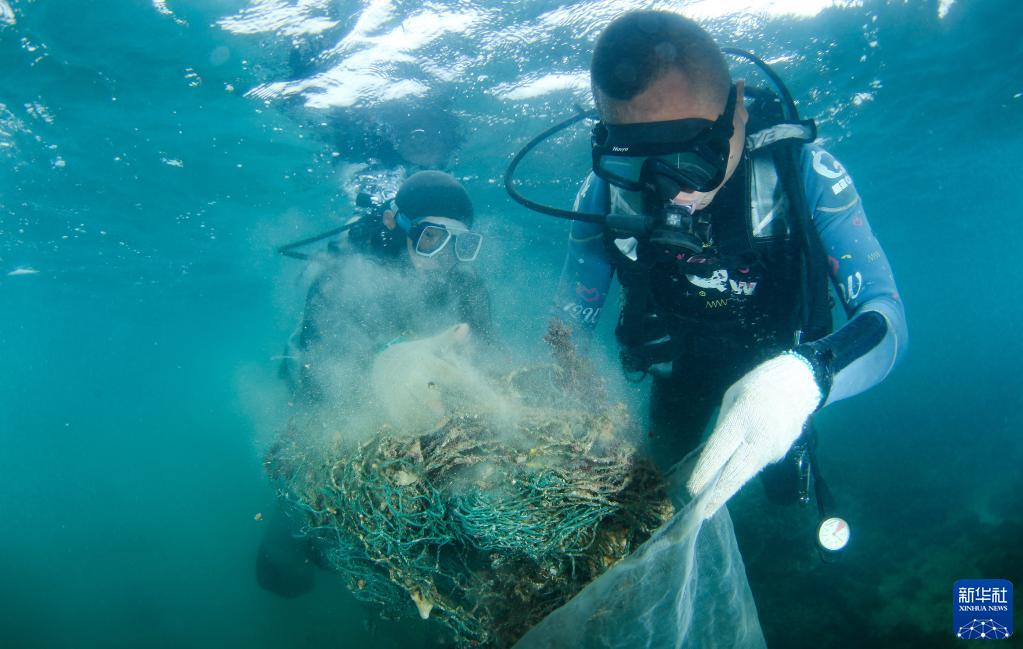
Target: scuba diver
401	271
723	222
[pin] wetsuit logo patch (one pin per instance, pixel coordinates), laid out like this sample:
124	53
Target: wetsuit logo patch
717	282
827	167
587	294
720	282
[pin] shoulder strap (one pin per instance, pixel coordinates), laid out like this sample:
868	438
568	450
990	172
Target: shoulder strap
814	303
769	205
802	132
781	144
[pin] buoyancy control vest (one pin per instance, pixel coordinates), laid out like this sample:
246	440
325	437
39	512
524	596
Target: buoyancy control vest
759	286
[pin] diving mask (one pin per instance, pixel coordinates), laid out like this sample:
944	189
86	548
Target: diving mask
431	234
666	158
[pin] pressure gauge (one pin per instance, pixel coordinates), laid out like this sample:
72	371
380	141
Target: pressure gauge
833	534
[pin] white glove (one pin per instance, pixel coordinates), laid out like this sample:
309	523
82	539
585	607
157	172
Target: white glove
762	414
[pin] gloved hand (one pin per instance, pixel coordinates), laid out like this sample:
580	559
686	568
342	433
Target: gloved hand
762	414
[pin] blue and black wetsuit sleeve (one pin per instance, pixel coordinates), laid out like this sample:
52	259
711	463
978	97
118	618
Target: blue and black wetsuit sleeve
864	350
587	272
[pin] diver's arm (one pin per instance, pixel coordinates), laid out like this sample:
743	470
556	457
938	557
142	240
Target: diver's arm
587	271
763	413
305	336
863	351
308	338
312	314
337	336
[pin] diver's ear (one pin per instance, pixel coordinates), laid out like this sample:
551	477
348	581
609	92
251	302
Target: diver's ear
388	219
741	114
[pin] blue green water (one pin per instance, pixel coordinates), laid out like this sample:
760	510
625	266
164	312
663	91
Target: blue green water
152	154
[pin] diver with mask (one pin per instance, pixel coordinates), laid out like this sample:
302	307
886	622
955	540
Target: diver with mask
398	271
723	222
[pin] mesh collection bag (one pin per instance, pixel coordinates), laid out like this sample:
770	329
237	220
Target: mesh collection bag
685	587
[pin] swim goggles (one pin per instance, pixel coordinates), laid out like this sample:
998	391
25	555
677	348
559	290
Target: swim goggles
431	234
683	155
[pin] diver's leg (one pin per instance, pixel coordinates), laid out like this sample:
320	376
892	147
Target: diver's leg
284	563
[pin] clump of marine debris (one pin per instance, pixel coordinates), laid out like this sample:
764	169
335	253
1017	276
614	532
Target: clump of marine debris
484	533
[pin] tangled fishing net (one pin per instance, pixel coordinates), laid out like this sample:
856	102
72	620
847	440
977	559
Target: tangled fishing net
485	533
